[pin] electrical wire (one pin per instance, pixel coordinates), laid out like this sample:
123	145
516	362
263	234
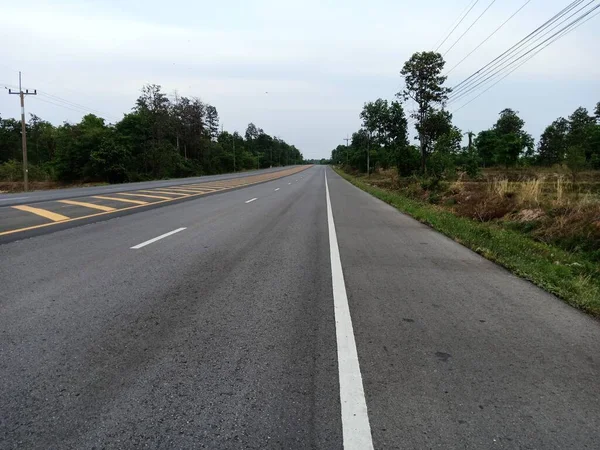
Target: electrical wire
459	22
510	63
470	26
488	38
522	63
73	104
519	44
511	59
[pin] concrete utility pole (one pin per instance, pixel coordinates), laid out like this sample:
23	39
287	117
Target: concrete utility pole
233	151
369	156
347	139
23	130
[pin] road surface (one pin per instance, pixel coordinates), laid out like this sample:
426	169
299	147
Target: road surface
294	313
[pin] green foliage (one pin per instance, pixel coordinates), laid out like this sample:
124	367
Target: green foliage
424	84
158	139
552	147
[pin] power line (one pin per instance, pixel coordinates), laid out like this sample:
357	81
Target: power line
522	63
68	102
79	110
470	26
518	44
464	15
487	38
509	63
563	32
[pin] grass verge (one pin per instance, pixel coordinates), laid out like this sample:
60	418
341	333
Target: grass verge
569	276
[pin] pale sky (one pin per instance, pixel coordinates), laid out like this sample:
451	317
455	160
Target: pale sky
318	60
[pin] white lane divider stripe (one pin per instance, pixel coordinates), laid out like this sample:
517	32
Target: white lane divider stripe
251	200
158	238
289	183
276	189
356	429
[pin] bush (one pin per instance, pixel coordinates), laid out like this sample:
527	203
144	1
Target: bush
11	170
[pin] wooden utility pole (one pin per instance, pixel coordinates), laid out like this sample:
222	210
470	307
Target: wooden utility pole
23	130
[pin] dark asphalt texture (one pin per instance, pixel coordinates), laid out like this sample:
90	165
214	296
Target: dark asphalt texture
223	335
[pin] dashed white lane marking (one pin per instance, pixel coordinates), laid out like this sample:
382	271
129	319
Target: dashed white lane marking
158	238
289	183
251	200
276	189
356	429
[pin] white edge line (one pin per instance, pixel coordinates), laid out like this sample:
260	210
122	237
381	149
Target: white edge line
162	236
356	429
13	198
276	189
251	200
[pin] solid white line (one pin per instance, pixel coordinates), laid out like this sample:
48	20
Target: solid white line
356	430
251	200
162	236
276	189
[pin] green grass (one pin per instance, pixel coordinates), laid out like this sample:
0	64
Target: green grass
570	276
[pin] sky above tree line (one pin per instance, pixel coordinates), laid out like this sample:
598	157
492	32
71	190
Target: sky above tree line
300	70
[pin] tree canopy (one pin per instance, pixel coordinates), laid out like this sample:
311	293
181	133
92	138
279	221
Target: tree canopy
159	138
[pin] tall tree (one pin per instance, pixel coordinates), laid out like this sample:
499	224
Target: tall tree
487	144
581	126
424	84
212	121
552	148
597	112
513	139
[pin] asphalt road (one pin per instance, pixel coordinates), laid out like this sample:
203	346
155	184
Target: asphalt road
234	332
20	198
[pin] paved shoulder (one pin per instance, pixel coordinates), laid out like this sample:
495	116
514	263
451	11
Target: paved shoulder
455	351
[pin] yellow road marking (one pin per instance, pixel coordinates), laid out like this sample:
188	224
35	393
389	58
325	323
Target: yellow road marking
126	200
211	187
42	212
146	195
163	192
88	205
181	190
164	200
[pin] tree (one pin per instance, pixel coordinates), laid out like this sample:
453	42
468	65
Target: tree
487	144
513	141
552	148
375	118
424	84
212	121
597	112
581	126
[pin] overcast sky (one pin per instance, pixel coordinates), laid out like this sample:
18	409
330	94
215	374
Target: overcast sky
318	60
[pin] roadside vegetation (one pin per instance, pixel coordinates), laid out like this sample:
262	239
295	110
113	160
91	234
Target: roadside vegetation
535	209
160	138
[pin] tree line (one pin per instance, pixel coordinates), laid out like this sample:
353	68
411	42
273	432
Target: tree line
383	139
159	138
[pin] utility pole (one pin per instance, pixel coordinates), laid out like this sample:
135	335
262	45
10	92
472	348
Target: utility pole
369	155
233	140
24	130
347	139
